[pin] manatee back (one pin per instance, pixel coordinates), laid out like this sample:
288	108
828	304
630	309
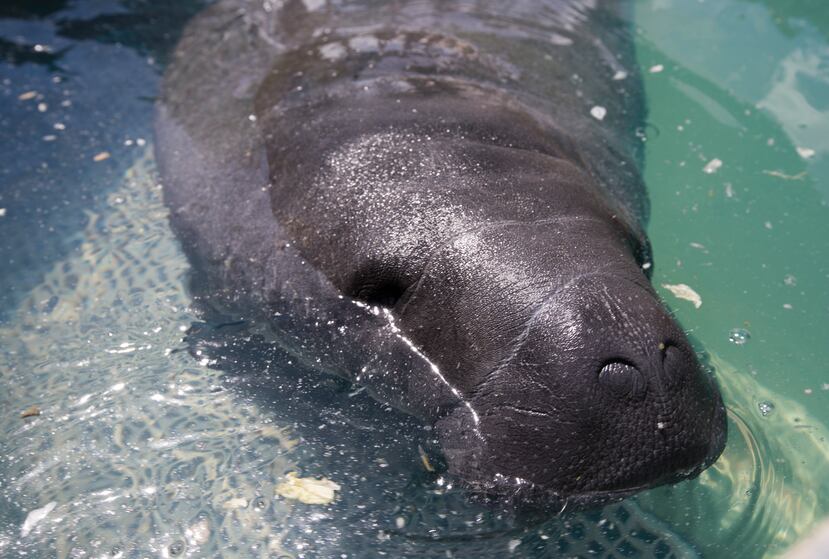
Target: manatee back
559	57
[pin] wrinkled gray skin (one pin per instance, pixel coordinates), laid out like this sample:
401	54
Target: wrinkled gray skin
415	196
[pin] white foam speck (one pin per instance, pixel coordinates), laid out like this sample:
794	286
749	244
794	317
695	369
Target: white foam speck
656	68
117	387
805	153
712	166
125	347
620	75
598	112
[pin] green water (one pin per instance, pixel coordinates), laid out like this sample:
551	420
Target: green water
145	451
748	83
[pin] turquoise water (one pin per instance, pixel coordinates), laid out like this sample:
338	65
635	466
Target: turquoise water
141	449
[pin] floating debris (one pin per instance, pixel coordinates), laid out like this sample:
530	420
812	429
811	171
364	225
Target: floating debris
739	336
42	107
103	156
805	153
655	69
424	458
31	411
619	75
729	190
28	95
790	280
2	212
598	112
712	166
34	517
766	408
682	291
308	490
781	175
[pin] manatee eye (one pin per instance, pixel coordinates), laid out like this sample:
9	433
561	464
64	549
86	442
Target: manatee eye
622	379
375	285
384	294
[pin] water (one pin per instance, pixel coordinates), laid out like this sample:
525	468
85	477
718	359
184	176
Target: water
141	449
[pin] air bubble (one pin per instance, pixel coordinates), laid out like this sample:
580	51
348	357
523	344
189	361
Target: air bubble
766	408
739	336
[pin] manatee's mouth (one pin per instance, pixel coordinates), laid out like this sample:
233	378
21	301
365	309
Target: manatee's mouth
521	493
470	461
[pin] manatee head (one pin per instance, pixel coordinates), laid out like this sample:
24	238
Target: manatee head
577	385
600	396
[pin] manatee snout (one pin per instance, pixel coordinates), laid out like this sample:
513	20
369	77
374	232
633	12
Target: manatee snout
599	395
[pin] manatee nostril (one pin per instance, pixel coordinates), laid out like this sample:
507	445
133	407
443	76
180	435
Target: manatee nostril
622	379
675	363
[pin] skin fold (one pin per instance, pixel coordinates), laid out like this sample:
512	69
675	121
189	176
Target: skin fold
426	181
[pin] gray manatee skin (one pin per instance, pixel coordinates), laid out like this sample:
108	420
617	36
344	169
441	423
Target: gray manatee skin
414	195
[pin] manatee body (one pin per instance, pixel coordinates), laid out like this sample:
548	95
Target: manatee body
415	196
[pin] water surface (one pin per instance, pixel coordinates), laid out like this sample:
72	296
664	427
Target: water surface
142	449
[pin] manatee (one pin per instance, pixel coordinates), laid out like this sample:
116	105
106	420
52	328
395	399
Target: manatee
442	202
